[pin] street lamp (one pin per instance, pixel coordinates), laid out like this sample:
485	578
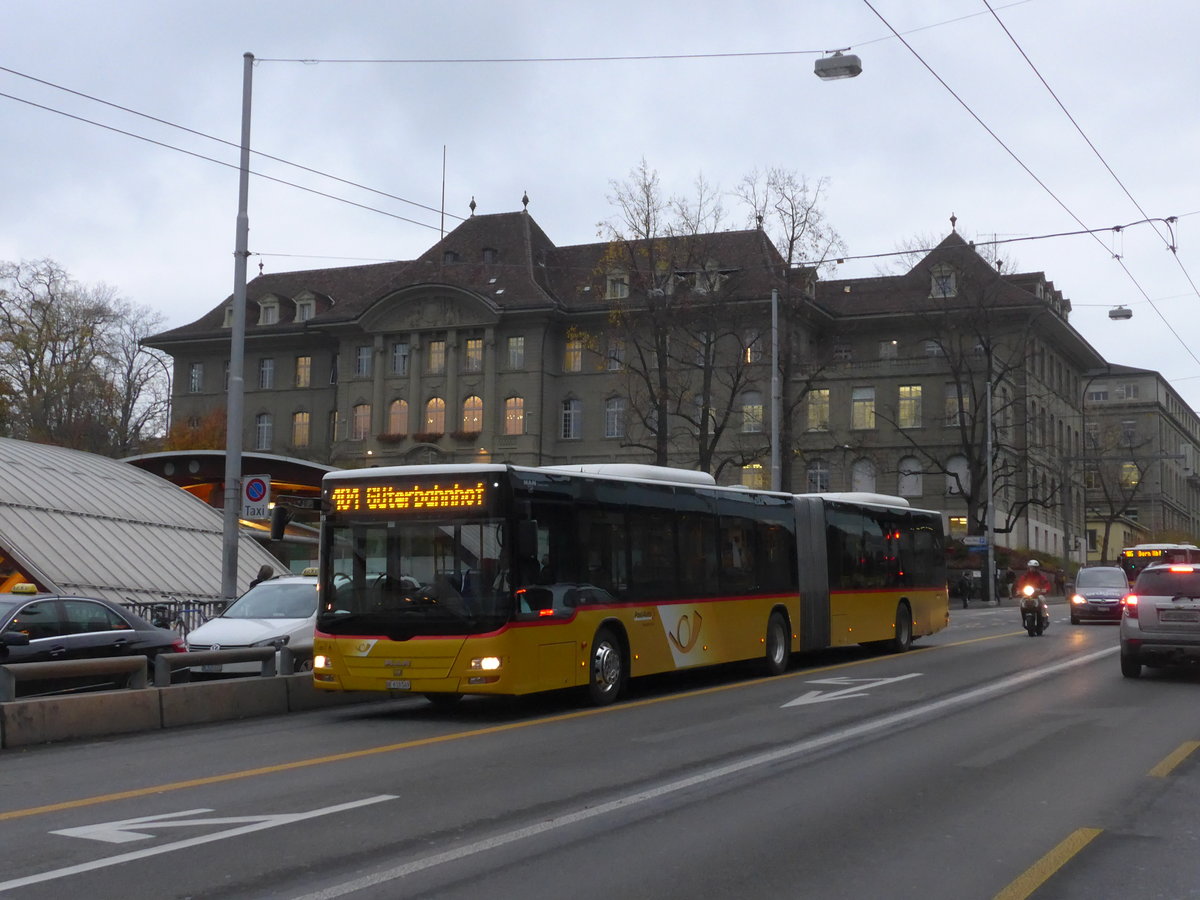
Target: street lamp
237	346
838	65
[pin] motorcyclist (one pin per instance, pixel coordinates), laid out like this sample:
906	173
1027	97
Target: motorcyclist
1033	575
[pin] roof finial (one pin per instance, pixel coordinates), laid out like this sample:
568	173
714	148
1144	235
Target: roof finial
760	221
472	204
525	200
953	221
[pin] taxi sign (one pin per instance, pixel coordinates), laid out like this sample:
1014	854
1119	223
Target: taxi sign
256	496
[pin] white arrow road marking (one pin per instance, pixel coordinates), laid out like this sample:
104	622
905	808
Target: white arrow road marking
106	831
121	832
855	690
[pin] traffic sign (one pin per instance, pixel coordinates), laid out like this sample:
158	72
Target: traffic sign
975	540
256	496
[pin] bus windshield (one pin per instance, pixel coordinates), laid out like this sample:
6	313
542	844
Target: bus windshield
404	579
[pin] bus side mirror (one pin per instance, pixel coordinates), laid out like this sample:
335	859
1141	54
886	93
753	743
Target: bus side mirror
279	519
527	538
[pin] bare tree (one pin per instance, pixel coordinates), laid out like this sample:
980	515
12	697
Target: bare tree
979	328
1115	469
70	362
790	211
691	358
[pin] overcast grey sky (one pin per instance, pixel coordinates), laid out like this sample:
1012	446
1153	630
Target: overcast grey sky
950	117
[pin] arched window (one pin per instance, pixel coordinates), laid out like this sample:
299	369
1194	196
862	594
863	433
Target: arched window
262	431
360	422
300	424
911	480
818	475
514	415
572	420
435	416
472	414
614	417
862	476
398	417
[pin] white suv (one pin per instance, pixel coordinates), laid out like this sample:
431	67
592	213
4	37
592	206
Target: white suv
1160	619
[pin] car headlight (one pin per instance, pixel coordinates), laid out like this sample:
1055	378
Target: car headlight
276	642
1076	598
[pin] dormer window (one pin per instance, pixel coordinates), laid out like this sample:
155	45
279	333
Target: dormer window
268	312
305	309
228	323
489	255
449	257
617	286
942	282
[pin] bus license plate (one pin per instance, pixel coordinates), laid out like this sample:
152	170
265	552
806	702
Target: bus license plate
402	685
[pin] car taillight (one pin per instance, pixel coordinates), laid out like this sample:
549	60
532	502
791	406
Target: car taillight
1129	604
179	646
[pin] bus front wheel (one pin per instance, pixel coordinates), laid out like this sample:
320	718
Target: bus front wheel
607	668
776	660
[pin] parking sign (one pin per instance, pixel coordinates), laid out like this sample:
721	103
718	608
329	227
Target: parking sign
256	496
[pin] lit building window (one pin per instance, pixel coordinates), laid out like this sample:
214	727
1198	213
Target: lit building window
435	416
472	414
300	429
514	415
862	407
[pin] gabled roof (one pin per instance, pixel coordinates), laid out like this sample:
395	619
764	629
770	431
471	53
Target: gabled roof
86	524
895	294
505	257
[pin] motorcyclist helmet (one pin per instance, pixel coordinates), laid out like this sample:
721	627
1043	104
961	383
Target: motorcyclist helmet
1033	564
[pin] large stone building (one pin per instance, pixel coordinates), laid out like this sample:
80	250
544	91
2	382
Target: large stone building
1140	461
497	345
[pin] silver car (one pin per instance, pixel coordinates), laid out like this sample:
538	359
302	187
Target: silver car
1160	620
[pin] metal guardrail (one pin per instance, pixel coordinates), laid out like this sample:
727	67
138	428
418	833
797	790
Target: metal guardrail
166	663
180	616
134	666
137	667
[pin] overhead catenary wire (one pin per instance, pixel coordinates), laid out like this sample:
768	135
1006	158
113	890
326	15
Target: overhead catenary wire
1020	162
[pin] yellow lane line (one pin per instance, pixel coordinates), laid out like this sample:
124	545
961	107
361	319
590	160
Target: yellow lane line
1164	768
1037	874
426	742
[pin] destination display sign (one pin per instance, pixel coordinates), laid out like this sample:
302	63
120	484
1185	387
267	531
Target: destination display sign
400	498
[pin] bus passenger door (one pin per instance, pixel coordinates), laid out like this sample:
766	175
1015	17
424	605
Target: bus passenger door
813	569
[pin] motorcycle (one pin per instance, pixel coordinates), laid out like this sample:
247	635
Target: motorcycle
1035	613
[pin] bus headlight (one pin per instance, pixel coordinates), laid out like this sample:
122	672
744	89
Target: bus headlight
320	661
486	663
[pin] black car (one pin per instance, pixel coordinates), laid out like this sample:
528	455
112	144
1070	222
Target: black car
1098	592
38	627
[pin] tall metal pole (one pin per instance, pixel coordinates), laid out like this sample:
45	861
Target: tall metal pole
989	575
776	395
233	407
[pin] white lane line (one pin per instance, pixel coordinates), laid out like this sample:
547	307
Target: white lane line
761	759
280	819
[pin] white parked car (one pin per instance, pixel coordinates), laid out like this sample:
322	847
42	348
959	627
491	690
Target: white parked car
278	612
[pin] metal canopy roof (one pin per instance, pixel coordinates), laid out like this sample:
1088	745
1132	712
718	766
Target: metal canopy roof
81	523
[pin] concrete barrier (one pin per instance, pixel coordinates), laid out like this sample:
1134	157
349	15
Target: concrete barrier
42	720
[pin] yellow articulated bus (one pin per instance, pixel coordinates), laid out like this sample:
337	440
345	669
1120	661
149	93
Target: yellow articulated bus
1137	557
504	580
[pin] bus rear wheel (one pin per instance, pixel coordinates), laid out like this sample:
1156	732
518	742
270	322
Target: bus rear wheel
776	659
606	671
904	628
